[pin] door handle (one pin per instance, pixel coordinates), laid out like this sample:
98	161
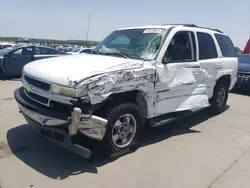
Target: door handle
218	66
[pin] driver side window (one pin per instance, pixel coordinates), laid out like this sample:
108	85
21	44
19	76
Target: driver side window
17	52
25	51
181	48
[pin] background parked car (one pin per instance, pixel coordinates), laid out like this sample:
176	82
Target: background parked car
5	45
247	48
80	50
21	40
13	59
243	76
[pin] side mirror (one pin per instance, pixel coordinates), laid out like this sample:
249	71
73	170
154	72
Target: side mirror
166	59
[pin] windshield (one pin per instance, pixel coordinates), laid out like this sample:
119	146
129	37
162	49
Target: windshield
8	49
132	43
244	59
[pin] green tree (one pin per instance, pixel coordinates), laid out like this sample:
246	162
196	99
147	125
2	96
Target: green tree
238	50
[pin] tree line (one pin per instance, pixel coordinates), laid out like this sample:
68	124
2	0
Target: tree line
52	41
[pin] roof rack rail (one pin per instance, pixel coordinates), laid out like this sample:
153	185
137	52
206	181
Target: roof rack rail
187	25
210	29
193	25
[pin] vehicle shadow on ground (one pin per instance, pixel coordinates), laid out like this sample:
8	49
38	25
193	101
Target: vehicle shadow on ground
56	163
179	127
10	79
240	92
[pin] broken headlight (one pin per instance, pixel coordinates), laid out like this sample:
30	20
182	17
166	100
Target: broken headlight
68	91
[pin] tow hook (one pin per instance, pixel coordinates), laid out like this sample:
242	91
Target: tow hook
75	121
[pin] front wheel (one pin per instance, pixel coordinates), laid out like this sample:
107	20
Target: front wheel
219	100
125	123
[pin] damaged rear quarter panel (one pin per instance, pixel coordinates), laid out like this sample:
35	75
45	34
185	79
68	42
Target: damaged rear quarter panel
142	79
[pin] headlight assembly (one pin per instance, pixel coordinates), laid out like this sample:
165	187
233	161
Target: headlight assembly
67	91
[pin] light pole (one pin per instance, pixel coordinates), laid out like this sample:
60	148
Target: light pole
88	28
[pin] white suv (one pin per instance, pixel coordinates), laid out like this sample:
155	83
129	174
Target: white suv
135	77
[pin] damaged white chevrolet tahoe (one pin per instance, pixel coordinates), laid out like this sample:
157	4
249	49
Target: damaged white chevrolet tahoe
135	77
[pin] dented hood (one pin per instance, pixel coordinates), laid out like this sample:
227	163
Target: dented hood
66	69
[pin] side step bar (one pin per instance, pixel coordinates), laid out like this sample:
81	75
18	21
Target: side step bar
171	117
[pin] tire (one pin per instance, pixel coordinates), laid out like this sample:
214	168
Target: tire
219	100
1	74
111	148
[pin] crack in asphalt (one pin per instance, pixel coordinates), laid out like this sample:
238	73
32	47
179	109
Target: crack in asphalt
230	166
232	126
8	98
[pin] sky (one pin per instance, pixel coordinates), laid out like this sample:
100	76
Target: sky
68	19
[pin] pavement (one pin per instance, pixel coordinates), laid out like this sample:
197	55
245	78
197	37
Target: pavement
199	151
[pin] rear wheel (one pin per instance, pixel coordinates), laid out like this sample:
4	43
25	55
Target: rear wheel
219	100
1	74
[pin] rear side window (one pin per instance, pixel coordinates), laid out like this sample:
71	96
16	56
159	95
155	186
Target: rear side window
226	46
207	48
45	51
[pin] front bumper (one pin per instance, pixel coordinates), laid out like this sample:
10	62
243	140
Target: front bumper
61	127
60	137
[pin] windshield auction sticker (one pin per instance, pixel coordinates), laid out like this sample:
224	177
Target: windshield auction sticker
153	31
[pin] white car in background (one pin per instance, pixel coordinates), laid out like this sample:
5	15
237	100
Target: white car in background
80	50
5	45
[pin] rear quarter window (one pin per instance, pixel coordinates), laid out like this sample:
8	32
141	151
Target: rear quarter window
226	46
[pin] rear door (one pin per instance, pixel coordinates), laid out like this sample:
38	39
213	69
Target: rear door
43	52
16	60
209	59
229	56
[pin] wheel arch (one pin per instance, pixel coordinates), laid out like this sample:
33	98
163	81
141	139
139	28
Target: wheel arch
227	78
134	96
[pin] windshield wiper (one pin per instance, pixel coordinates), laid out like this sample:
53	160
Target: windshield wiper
116	53
134	55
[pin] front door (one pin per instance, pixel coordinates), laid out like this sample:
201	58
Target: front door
16	60
180	85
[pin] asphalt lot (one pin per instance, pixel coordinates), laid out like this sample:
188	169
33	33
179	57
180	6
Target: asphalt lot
199	151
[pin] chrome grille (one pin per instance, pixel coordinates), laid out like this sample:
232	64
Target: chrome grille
39	91
37	98
29	81
49	103
37	83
